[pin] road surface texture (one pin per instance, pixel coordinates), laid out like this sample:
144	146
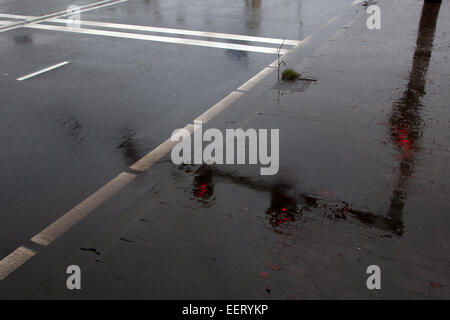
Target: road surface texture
364	155
67	132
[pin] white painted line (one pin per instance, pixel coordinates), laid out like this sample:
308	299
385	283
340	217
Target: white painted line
72	217
88	7
205	34
42	71
220	106
138	36
14	260
195	33
153	156
16	16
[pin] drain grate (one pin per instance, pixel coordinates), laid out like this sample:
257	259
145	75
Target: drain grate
299	85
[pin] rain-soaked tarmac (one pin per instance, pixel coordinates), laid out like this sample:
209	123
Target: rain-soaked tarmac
363	159
68	132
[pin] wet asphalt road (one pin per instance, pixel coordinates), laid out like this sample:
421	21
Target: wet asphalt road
25	7
67	132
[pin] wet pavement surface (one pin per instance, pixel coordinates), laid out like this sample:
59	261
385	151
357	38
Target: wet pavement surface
24	7
364	156
68	132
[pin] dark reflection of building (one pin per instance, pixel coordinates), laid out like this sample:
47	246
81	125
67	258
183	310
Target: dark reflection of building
405	119
300	19
154	7
252	19
180	15
239	56
253	15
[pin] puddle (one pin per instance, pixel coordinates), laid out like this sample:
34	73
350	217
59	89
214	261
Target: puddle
405	120
287	207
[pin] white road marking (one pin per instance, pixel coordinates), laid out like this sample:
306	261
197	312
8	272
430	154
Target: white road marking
138	36
206	34
14	260
67	12
72	217
160	151
16	16
42	71
227	36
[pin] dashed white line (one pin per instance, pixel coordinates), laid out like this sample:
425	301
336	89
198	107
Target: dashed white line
42	71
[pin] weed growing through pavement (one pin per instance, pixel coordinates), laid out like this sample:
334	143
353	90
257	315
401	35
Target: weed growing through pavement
290	75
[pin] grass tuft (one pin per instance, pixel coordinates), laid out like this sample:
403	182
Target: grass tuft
290	75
